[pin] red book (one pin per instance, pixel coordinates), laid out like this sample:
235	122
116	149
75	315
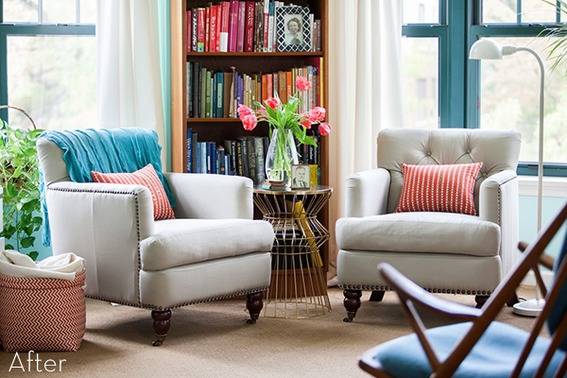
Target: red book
188	22
288	84
201	29
207	28
249	30
241	25
225	22
233	27
213	28
219	26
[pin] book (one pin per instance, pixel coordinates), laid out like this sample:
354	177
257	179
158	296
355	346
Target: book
207	28
194	30
225	22
233	27
249	28
241	26
213	28
200	29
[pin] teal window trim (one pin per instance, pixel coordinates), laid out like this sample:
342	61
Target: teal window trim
460	25
30	29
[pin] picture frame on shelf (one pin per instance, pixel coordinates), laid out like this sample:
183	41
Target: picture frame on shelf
300	176
293	28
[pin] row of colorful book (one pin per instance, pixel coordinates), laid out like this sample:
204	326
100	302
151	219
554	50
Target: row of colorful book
242	26
217	94
242	157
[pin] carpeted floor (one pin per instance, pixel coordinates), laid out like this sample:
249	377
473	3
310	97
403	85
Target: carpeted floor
213	340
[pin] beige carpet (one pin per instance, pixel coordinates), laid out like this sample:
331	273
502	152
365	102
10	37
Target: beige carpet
212	340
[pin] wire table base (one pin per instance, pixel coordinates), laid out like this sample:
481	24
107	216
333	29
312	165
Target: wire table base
298	288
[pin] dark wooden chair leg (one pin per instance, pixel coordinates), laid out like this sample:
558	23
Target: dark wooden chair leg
161	325
512	301
480	300
351	303
254	305
376	296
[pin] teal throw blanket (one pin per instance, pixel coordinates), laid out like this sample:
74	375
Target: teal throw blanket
107	151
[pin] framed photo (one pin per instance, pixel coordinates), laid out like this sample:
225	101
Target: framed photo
300	176
293	28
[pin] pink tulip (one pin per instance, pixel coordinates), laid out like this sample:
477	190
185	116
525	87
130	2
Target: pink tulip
324	129
249	122
244	111
317	114
306	122
302	83
272	102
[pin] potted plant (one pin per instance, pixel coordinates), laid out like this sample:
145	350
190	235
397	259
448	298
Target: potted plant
286	124
19	177
557	48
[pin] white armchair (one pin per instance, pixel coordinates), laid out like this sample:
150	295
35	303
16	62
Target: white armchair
442	252
212	250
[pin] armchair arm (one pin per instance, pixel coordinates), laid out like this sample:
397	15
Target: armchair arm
211	196
367	193
408	290
498	203
103	223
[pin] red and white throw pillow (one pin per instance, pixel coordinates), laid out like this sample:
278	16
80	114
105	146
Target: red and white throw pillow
441	188
147	177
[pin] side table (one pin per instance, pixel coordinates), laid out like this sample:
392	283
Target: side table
298	288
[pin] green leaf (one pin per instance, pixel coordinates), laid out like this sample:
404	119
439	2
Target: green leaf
9	246
27	241
33	255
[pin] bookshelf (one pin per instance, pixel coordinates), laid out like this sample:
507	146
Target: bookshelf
220	129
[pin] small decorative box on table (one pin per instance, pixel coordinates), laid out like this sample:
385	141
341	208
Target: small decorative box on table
298	288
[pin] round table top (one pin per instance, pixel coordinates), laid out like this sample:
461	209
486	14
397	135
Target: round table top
319	189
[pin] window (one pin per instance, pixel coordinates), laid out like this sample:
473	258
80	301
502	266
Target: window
488	94
48	62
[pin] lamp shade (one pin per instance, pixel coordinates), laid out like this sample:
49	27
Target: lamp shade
485	49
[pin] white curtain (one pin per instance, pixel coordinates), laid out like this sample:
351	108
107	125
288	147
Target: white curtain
128	66
365	88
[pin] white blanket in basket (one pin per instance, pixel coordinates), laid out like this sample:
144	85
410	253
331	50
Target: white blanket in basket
63	267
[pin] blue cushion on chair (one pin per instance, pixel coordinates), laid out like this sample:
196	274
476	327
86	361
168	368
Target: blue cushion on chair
494	355
560	306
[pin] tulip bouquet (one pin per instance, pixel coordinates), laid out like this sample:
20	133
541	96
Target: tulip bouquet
286	124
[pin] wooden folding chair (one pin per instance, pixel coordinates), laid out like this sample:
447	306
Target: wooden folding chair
480	346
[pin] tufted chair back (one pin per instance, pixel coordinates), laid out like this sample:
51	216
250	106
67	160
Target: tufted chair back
498	150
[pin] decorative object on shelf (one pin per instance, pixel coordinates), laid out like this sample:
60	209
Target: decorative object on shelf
285	122
298	287
300	176
487	49
293	28
20	183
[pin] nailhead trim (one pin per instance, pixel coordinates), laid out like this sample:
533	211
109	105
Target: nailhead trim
431	290
196	301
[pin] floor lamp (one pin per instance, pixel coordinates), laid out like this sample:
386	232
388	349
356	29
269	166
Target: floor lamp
488	49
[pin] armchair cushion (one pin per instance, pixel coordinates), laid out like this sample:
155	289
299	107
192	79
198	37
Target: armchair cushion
448	188
147	177
189	241
494	355
420	232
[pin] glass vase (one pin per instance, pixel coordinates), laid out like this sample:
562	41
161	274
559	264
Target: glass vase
282	154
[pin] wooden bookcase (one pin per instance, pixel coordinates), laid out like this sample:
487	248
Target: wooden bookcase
220	129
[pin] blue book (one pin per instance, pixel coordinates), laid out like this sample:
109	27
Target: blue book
203	157
213	157
189	150
194	140
237	89
197	158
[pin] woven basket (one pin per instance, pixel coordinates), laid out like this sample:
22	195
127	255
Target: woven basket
42	314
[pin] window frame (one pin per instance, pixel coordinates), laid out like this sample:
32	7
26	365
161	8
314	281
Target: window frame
32	29
459	26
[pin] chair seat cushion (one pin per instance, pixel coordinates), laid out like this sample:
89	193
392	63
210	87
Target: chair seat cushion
179	242
420	232
494	355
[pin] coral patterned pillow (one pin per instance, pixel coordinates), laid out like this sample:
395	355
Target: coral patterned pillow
442	188
147	177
